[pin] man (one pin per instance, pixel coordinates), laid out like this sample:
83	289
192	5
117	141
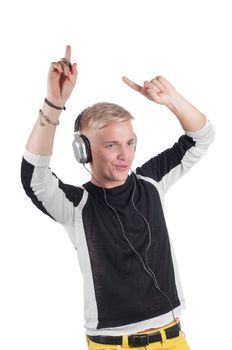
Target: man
132	291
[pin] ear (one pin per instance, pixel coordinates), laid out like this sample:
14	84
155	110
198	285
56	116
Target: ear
135	136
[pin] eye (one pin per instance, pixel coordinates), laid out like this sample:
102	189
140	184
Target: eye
131	143
110	146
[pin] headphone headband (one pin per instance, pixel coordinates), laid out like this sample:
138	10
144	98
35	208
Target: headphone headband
77	123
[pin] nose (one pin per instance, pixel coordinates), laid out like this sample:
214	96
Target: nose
121	153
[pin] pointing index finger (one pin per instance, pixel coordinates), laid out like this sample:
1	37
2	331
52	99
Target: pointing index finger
131	84
68	53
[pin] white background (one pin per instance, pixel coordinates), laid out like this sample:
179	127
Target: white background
188	42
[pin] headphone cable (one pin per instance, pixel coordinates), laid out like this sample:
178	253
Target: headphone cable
145	265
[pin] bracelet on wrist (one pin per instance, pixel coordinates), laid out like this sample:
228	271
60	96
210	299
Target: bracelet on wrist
54	106
45	120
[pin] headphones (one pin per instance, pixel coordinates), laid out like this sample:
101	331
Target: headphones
81	145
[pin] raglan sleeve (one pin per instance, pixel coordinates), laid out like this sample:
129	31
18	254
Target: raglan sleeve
169	166
53	197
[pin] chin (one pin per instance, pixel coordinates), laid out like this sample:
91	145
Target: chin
121	177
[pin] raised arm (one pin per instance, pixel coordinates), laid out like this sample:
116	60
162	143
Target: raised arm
45	189
169	166
161	91
61	80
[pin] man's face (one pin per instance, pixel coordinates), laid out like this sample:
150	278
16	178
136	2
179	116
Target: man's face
113	151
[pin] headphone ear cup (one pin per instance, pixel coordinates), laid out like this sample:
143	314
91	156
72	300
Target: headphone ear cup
87	148
82	149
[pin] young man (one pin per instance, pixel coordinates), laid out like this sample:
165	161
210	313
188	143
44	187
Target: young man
132	291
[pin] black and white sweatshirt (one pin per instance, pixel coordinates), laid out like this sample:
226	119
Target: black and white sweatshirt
119	297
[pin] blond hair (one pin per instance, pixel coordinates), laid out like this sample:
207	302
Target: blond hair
99	115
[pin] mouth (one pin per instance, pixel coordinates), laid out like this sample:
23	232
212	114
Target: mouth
121	168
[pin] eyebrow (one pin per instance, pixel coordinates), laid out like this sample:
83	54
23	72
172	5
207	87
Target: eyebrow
113	141
105	142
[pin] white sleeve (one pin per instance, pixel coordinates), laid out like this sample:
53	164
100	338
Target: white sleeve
46	190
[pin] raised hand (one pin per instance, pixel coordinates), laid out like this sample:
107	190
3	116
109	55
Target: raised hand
62	78
158	90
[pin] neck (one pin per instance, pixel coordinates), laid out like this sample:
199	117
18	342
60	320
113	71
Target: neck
96	180
106	184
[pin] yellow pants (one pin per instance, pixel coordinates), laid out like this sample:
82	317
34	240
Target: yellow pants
178	343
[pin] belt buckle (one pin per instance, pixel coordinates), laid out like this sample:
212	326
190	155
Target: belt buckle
139	340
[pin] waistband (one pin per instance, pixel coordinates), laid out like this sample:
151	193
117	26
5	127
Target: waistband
141	339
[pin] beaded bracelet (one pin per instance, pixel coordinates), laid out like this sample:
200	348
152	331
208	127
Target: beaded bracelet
47	120
53	106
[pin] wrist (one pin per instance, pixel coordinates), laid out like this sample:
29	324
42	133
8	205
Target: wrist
176	102
53	113
53	105
59	102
